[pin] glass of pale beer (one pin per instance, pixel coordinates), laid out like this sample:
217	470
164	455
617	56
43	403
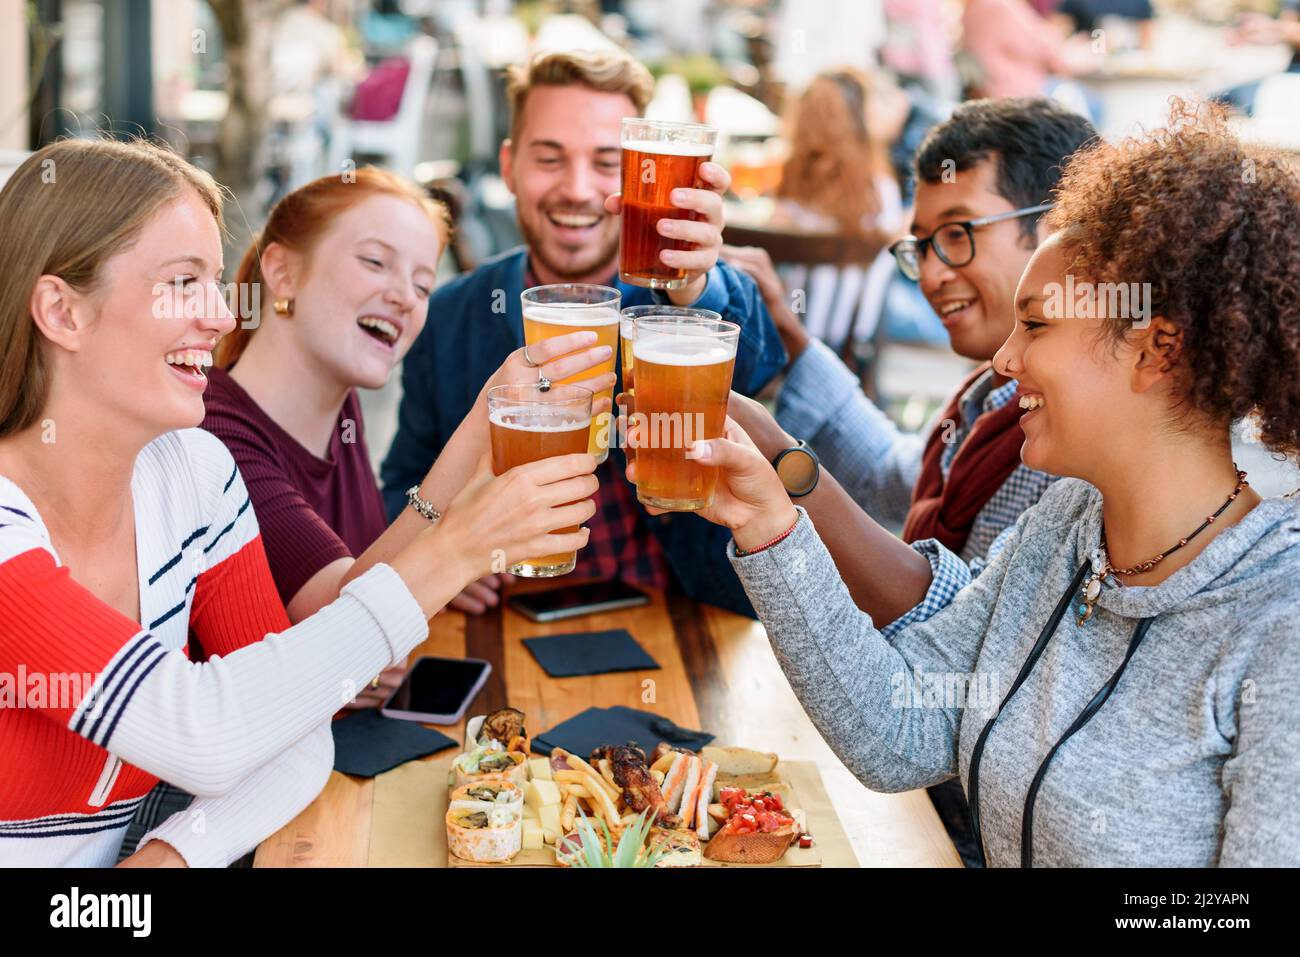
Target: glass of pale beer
528	423
684	359
574	307
658	157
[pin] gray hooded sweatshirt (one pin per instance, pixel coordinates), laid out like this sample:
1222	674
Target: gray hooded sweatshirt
1193	761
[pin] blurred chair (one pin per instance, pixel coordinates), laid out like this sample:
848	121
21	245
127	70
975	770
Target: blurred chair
844	280
397	140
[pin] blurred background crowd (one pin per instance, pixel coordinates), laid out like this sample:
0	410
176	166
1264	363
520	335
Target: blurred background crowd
820	105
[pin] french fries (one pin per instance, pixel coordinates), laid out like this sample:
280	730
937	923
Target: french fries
611	790
603	802
568	812
664	763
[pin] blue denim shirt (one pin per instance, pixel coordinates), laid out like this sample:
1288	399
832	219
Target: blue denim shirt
475	321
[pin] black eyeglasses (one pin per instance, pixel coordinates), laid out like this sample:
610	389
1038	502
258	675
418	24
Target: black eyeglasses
953	243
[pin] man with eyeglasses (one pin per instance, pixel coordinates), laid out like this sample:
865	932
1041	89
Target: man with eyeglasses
984	177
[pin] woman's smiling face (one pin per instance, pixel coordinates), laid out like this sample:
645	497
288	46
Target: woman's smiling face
146	329
1075	381
362	292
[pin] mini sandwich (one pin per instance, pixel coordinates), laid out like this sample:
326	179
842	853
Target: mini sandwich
487	795
485	836
496	748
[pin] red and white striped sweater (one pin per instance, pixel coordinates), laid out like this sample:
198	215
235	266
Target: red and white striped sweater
246	731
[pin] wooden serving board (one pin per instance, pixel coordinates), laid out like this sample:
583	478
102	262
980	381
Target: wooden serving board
410	804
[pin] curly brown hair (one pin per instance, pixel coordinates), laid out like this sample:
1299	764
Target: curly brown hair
1213	224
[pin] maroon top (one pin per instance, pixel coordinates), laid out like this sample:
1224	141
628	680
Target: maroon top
311	511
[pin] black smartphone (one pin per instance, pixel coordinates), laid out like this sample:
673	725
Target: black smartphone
575	600
437	690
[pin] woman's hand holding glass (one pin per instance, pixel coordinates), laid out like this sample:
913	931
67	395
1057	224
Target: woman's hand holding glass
496	521
750	498
552	360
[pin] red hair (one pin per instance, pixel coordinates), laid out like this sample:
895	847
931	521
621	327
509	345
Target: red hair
301	218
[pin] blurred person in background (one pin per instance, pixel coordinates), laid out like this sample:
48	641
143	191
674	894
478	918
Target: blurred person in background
850	132
837	177
1260	29
918	47
563	163
1015	51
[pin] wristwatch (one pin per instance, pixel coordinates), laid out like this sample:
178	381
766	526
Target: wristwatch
798	468
422	505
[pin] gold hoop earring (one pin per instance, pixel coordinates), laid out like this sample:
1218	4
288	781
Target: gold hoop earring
283	307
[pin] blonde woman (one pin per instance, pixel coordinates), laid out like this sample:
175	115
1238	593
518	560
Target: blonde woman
124	530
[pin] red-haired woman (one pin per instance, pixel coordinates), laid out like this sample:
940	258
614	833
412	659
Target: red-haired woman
346	267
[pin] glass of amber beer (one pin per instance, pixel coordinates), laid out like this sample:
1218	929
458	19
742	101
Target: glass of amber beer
658	157
528	423
683	359
626	333
574	307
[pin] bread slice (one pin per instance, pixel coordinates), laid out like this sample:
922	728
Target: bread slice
756	848
737	761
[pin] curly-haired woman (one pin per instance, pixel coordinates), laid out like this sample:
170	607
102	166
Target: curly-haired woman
1118	686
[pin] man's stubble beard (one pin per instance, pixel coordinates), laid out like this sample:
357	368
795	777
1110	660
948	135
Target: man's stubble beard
608	253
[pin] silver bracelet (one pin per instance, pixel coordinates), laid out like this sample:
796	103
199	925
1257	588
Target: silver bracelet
422	506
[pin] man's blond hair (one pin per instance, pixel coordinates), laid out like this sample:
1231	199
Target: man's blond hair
606	71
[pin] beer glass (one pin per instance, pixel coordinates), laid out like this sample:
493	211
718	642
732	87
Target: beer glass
573	307
626	333
658	157
527	424
684	360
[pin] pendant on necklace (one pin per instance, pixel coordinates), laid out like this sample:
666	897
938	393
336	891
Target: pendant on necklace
1091	592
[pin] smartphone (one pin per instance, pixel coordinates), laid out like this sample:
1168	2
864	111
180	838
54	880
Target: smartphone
437	690
575	600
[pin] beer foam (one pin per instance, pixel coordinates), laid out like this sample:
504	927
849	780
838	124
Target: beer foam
680	350
586	316
669	148
535	420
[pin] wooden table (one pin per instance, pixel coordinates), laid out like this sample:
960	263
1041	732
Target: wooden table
718	673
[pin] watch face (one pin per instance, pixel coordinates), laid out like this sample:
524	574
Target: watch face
798	471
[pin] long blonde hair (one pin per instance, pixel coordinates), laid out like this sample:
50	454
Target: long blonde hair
67	209
835	160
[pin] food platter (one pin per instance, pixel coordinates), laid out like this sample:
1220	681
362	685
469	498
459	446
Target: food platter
619	806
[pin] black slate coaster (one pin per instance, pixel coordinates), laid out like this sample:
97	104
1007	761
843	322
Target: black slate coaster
590	653
368	744
618	725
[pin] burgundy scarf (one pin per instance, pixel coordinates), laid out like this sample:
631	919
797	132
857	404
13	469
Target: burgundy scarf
986	459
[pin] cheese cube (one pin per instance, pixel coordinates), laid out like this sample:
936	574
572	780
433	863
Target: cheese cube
542	793
533	836
539	769
549	815
530	813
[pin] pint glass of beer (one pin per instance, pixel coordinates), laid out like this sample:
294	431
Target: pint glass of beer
528	423
683	360
658	157
575	307
626	333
